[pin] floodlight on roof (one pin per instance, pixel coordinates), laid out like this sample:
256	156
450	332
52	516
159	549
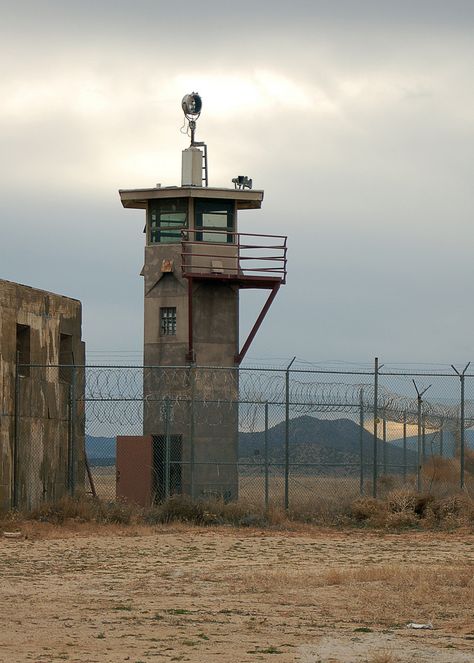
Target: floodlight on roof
191	105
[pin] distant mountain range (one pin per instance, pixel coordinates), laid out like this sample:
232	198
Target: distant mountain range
100	450
328	446
433	442
333	445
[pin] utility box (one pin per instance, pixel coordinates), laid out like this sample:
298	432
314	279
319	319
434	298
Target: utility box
149	468
134	466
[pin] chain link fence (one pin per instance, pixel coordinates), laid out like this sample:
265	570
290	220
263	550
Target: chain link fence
299	439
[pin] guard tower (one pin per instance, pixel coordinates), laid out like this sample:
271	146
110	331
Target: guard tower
196	263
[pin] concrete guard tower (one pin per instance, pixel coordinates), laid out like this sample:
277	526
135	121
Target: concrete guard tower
196	263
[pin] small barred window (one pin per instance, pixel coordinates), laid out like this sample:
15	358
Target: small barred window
168	321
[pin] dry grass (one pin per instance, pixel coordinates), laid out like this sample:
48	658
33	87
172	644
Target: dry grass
383	656
404	509
390	595
417	580
399	510
322	499
221	595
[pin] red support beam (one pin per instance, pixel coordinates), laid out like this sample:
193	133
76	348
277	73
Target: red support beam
258	322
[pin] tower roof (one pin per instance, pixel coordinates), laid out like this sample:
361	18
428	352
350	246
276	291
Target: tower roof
137	198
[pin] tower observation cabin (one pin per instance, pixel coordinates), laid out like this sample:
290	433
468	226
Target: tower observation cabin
196	263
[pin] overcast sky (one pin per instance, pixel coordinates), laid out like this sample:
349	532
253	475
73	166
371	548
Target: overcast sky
356	118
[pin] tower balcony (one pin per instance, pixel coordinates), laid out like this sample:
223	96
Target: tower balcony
246	259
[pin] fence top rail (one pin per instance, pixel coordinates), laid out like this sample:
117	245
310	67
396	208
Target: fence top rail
239	369
264	369
412	374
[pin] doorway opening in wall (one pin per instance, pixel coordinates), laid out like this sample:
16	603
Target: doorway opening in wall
167	466
66	359
23	349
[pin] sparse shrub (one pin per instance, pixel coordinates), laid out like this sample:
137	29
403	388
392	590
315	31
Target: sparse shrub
469	461
182	509
80	509
451	512
401	520
243	515
252	520
83	510
383	656
422	502
407	509
402	501
402	508
118	513
152	516
366	509
276	516
10	519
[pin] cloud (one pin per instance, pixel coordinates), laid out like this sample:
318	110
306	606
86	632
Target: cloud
355	118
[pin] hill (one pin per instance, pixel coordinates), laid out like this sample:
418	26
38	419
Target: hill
432	442
323	445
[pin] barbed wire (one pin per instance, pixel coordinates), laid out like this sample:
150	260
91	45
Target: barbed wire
224	388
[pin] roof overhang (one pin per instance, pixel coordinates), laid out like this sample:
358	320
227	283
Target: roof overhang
138	198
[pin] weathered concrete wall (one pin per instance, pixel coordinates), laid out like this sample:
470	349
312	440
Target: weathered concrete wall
42	443
209	434
161	290
215	314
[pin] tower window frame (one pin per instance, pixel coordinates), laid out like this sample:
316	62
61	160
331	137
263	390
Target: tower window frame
215	221
167	218
168	321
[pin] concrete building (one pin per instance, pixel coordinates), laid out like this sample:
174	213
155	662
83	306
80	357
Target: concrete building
41	416
196	263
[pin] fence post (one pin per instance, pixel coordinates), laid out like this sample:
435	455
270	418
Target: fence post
423	436
419	397
287	433
361	440
72	446
376	421
16	435
420	457
266	455
384	438
404	447
441	438
167	447
462	431
462	422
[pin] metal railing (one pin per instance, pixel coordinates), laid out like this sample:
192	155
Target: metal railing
232	255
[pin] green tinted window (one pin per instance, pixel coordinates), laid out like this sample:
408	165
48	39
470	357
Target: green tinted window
166	220
217	216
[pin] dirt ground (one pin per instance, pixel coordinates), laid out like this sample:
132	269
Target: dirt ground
222	594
